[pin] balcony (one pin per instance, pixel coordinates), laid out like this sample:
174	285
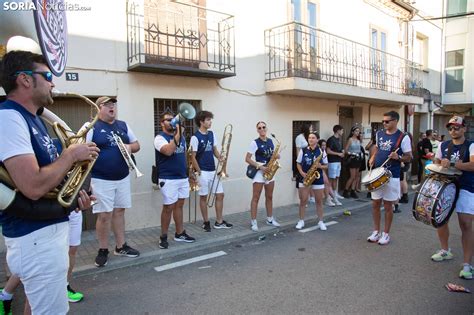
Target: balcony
169	37
303	60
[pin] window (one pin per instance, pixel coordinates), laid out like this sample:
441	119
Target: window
456	7
378	40
420	50
454	71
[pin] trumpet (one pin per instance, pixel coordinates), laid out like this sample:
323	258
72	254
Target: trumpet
126	156
221	169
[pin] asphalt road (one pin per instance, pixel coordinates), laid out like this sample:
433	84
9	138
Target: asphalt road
336	271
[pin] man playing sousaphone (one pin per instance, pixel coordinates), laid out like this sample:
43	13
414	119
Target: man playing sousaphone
459	153
204	148
393	147
37	251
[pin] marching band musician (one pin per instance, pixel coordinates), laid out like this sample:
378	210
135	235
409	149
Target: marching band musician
172	178
204	148
111	180
462	156
262	148
304	161
37	251
394	146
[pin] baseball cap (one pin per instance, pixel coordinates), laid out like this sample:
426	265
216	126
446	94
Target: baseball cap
456	120
104	99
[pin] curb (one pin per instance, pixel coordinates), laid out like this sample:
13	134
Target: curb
231	238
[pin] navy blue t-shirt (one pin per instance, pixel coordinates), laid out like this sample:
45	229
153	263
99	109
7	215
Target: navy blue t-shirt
466	181
307	161
205	151
386	144
174	166
110	164
45	153
264	150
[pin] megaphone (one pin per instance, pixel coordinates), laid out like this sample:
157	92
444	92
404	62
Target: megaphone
185	111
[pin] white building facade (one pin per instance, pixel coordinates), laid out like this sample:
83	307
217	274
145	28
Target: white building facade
285	62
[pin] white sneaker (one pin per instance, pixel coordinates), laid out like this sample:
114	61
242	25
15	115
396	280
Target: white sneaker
311	199
254	226
322	226
385	239
374	237
339	196
329	202
337	202
273	222
300	225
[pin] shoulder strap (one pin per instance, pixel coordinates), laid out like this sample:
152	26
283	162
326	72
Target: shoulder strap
464	149
399	141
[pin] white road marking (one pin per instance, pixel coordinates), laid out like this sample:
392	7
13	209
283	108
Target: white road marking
190	261
316	227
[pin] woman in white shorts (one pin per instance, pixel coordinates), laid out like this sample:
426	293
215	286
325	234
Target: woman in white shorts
305	160
262	148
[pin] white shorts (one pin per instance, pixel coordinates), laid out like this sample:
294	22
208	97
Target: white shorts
40	259
205	181
260	179
334	170
389	192
314	187
75	228
111	194
465	203
174	189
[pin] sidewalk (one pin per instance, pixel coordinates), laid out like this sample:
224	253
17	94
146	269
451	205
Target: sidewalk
146	240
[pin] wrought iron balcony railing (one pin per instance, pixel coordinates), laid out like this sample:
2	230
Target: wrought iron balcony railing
176	38
298	50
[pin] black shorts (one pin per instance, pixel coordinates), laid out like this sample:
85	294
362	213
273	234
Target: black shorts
353	162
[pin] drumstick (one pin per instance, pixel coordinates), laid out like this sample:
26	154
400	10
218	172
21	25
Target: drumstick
388	159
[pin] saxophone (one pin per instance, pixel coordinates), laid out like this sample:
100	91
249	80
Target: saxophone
273	165
313	172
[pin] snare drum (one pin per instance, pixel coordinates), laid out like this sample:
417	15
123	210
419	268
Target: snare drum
376	178
435	202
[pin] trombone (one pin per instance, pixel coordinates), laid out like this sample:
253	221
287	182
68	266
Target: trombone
221	169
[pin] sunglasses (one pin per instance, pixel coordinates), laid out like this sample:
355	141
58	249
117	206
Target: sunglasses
47	75
168	120
456	128
109	104
262	128
387	121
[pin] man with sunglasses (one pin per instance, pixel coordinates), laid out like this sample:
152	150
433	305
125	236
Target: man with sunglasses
111	180
171	151
37	251
393	146
459	152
